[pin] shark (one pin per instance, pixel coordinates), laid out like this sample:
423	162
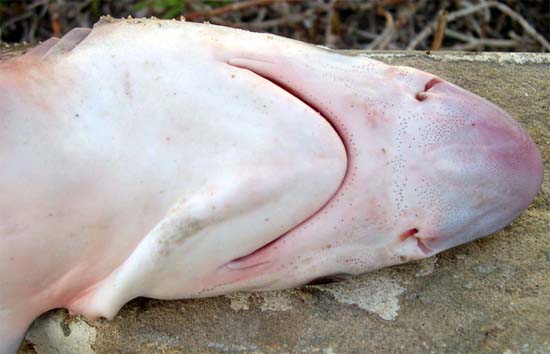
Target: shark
172	160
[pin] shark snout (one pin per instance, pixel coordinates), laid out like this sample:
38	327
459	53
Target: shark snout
486	170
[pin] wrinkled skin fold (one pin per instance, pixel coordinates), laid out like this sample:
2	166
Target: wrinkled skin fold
172	160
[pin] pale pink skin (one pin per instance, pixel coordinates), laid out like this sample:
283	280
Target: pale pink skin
172	160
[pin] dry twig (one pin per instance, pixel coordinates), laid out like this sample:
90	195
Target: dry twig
229	8
329	36
349	24
473	9
440	30
384	38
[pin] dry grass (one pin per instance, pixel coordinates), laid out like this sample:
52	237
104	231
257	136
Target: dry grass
477	25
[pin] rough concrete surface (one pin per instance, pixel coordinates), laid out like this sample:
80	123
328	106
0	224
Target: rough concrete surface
490	296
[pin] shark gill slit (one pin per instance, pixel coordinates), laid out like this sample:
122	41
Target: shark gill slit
327	117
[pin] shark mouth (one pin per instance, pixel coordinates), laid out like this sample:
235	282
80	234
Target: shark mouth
260	257
269	71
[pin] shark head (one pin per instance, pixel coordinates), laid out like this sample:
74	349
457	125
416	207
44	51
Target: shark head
429	166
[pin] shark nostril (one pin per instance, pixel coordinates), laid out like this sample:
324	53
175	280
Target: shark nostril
421	95
420	243
410	232
422	246
431	83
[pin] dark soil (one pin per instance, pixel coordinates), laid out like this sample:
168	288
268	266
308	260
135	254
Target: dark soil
476	25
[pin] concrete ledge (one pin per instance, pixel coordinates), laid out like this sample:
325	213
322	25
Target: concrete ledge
494	57
492	295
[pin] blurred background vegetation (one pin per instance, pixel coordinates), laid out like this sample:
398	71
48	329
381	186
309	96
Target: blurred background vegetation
478	25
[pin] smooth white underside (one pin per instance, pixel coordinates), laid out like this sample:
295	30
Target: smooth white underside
144	171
